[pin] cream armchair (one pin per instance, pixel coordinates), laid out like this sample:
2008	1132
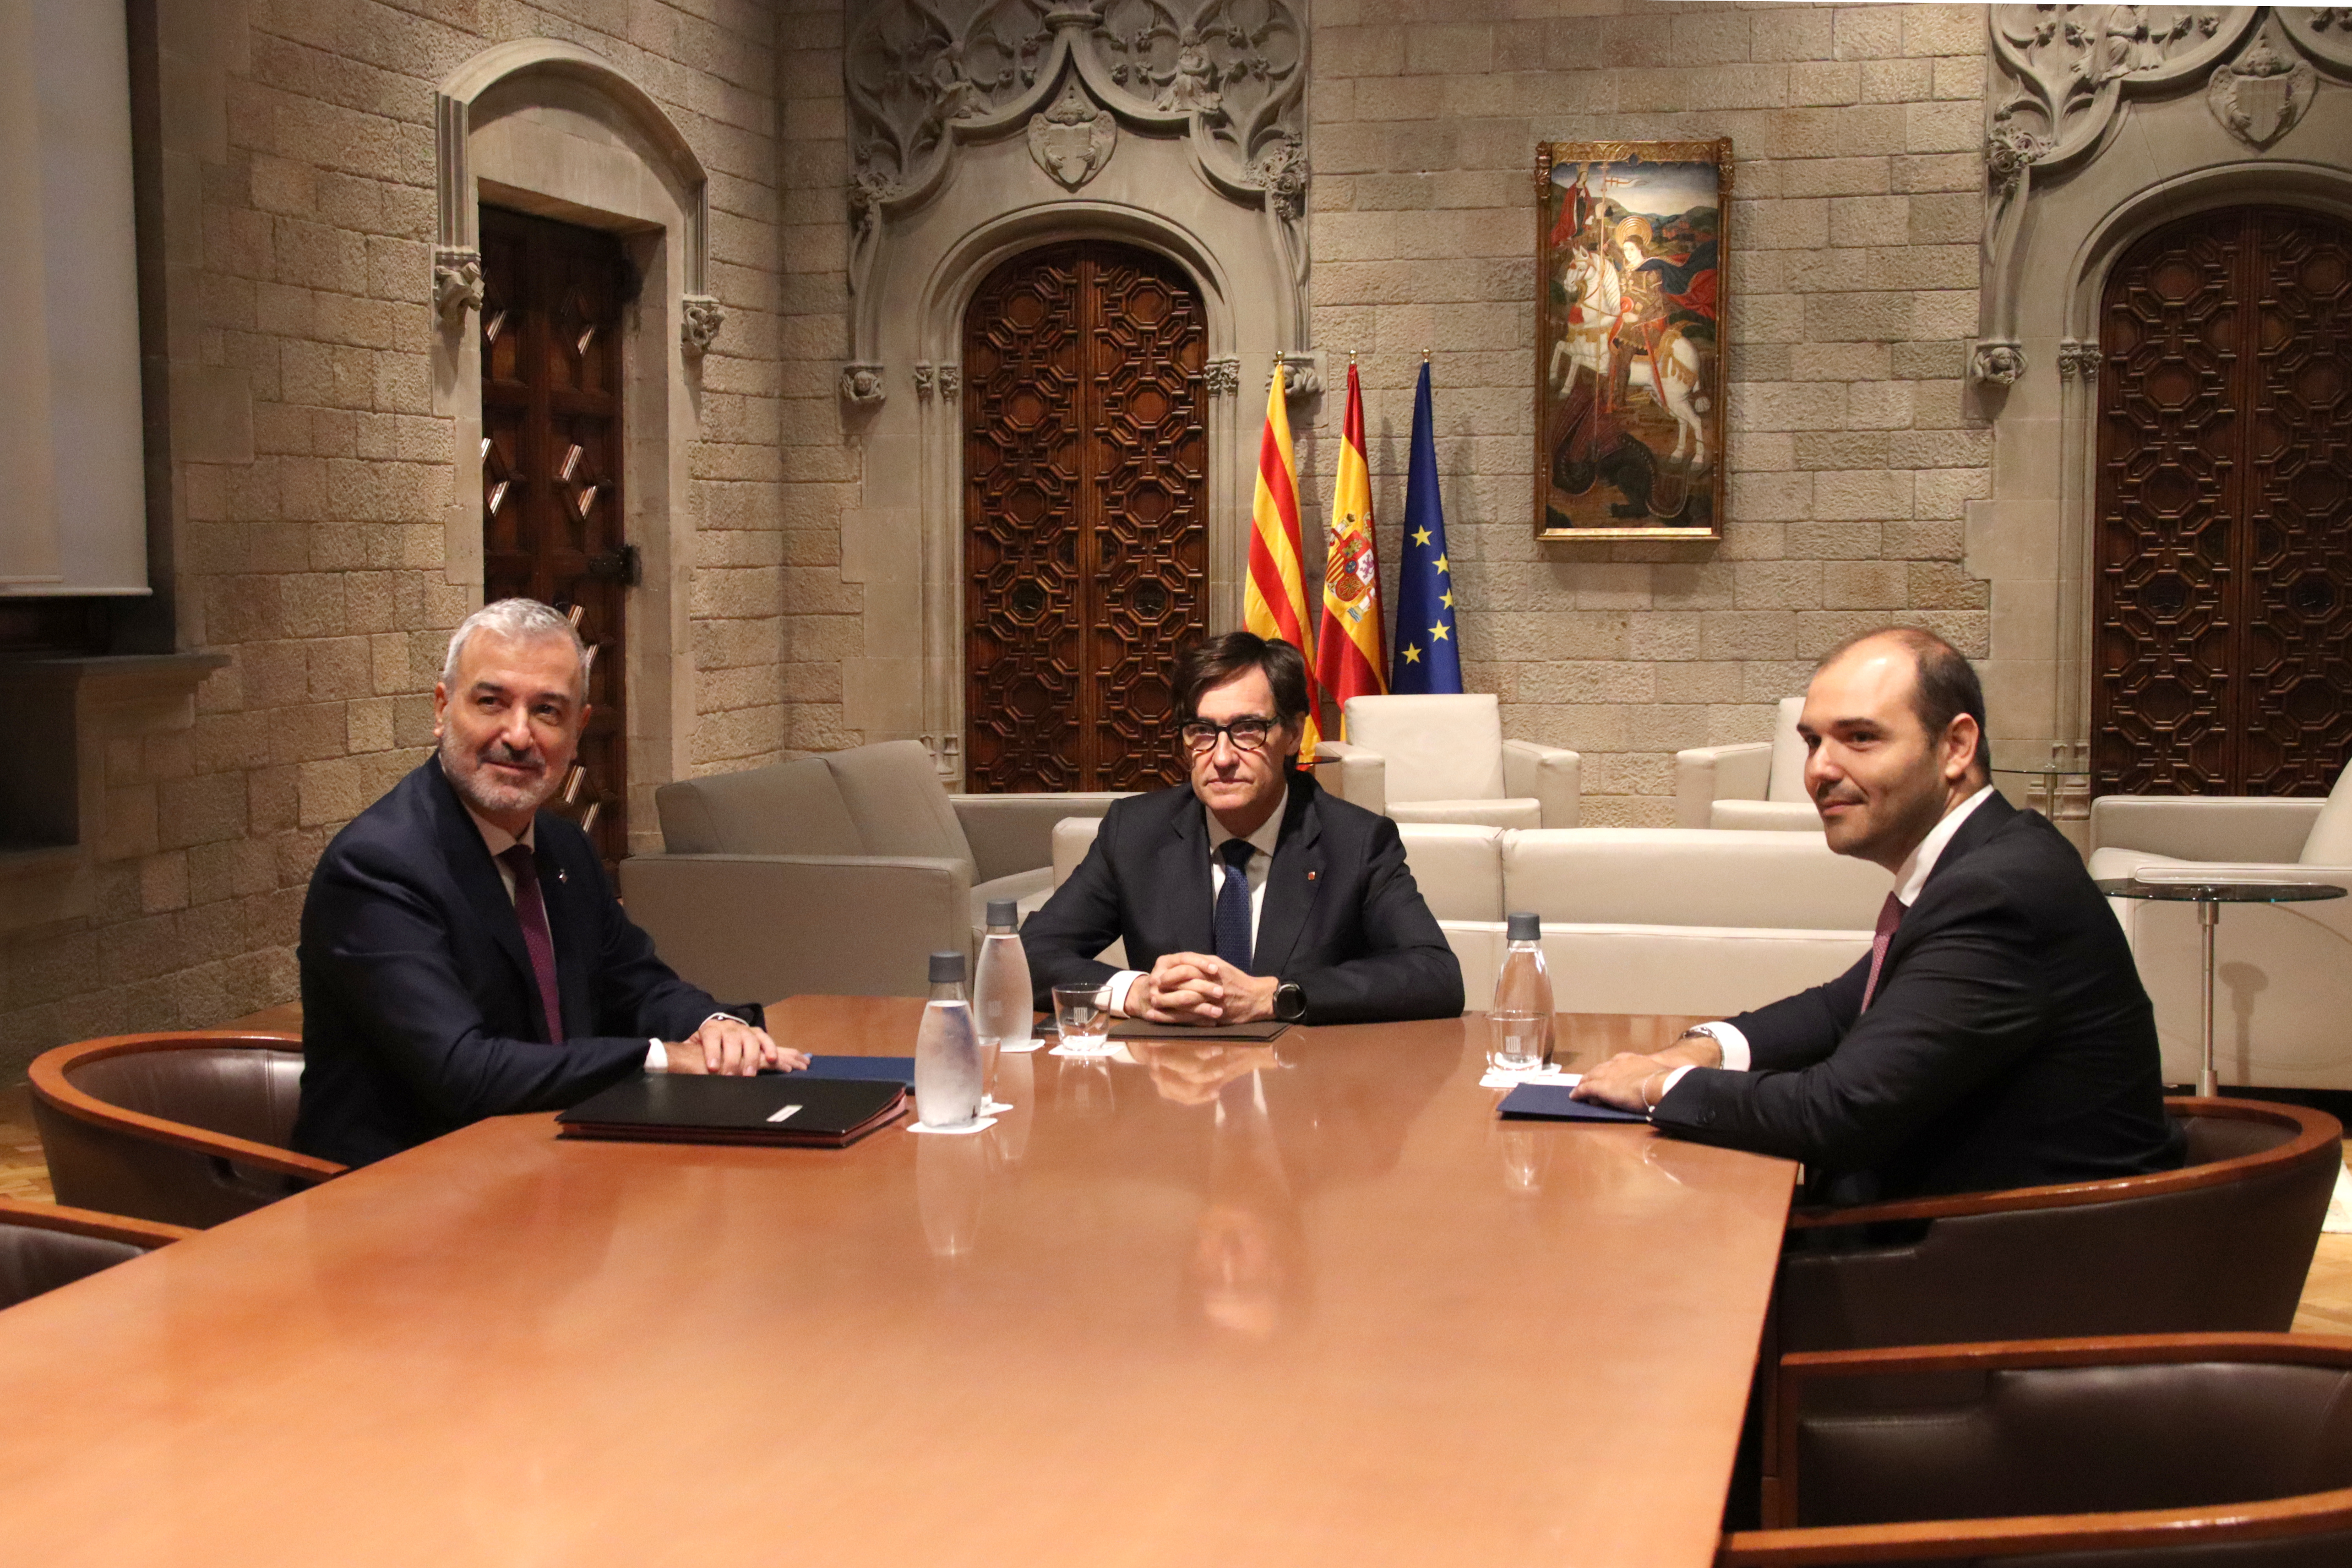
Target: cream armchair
2282	973
1756	785
1444	760
836	873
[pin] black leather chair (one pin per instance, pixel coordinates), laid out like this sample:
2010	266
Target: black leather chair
2154	1451
43	1246
188	1129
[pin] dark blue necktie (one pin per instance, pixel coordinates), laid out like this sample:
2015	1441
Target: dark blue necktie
1232	905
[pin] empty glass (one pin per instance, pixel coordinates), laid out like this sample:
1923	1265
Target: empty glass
1083	1013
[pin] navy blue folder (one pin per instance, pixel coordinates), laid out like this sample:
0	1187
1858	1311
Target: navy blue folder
1553	1102
865	1069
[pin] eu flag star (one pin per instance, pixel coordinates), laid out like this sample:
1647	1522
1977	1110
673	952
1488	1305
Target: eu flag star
1437	633
1447	599
1421	536
1413	653
1441	564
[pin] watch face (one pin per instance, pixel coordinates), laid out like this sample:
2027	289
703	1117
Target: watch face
1289	1002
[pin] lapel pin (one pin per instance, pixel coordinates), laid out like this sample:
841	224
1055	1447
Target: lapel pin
1310	876
559	874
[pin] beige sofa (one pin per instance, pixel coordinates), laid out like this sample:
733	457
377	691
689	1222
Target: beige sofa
1634	919
2283	985
836	873
1443	759
1759	785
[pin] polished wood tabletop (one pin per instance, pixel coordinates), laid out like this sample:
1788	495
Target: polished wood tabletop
1241	1305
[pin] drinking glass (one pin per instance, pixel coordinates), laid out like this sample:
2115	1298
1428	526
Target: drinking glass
1083	1012
1515	1041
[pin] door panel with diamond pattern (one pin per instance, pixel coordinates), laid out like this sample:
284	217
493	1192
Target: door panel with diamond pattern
551	527
2223	595
1085	533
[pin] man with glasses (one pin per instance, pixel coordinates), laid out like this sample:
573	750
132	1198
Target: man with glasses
1248	893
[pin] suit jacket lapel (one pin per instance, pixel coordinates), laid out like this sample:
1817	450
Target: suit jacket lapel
1293	880
468	859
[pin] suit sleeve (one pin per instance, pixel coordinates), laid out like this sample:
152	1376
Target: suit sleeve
1797	1031
1407	968
385	946
1964	1004
1080	919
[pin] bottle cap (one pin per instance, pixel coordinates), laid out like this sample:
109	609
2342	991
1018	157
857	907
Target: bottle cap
947	967
1524	926
1004	912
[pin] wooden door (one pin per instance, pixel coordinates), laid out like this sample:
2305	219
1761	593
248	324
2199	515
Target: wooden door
1085	517
551	521
2223	595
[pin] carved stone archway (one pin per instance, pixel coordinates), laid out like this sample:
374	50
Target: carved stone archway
980	131
2104	122
551	128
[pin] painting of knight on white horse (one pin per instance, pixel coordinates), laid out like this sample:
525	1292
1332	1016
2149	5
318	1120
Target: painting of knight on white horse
1629	346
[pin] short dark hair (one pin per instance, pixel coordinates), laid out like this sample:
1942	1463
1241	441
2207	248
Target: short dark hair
1206	665
1946	684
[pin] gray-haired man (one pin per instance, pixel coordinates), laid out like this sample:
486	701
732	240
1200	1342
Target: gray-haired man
462	955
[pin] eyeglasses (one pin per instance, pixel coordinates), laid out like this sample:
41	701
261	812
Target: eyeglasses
1247	733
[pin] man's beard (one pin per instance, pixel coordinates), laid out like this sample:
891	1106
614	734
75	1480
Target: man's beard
477	788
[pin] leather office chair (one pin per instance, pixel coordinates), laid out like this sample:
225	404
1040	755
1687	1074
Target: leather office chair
2158	1451
188	1127
43	1246
2218	1246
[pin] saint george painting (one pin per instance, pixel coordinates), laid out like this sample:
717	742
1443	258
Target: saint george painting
1630	305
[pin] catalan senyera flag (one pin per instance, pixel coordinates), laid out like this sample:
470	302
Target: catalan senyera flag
1273	602
1350	656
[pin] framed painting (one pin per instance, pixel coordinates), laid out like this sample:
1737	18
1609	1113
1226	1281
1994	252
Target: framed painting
1630	346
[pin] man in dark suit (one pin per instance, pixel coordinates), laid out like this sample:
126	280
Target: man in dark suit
1996	1035
1248	893
462	955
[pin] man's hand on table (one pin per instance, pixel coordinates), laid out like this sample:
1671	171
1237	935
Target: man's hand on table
1196	988
729	1047
1631	1081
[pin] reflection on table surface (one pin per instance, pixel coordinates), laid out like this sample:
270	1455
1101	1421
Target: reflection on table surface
1233	1303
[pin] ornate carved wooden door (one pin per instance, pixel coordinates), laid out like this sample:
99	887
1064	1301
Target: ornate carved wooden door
2223	597
1085	533
552	528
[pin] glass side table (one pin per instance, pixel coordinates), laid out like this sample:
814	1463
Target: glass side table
2068	768
2209	897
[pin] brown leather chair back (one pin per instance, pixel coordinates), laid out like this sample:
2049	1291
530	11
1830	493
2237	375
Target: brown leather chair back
44	1245
188	1129
2213	1449
2222	1245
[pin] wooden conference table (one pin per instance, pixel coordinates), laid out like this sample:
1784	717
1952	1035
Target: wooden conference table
1240	1305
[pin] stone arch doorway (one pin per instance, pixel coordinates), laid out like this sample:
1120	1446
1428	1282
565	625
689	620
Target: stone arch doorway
2222	511
1086	537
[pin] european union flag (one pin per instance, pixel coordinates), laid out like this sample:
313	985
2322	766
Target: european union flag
1428	660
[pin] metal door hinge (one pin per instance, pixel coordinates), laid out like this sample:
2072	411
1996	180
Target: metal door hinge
622	566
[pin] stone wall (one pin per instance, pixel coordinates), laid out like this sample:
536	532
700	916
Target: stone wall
310	475
1853	288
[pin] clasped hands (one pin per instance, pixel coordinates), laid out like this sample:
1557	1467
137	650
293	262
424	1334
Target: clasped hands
729	1047
1629	1081
1197	988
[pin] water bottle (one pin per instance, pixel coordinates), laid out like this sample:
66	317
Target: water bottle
1519	1023
946	1051
1001	998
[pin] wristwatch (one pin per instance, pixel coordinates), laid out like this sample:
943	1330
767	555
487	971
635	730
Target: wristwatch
1289	1003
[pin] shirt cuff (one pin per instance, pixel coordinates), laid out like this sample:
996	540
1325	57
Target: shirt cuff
1735	1055
657	1060
1119	987
1672	1078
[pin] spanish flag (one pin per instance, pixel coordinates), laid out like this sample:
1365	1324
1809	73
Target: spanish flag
1274	602
1349	640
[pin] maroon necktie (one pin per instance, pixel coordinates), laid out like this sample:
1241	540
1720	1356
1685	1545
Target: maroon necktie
1890	915
531	911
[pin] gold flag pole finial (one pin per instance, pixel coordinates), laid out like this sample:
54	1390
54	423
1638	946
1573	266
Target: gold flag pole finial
1351	356
1424	356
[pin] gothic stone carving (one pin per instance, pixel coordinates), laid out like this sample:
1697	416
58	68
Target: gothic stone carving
951	382
2259	96
1073	140
2077	358
1221	377
457	285
1999	363
924	374
699	319
863	386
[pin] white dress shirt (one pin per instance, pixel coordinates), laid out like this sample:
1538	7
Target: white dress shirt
499	841
1909	878
1269	835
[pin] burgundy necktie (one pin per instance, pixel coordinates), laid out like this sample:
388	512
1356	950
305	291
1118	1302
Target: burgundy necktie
1890	915
531	911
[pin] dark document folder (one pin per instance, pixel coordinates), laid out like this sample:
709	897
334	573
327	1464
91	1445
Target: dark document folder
1145	1029
1554	1102
788	1110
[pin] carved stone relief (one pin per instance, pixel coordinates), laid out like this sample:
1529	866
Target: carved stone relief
699	318
1073	140
457	285
863	386
2062	76
1221	377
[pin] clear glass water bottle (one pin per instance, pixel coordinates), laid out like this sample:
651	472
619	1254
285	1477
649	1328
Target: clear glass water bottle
1001	1002
946	1050
1519	1022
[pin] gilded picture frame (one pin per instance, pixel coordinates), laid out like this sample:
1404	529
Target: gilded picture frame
1632	243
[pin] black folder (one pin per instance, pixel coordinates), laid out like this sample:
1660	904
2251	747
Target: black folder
1145	1029
789	1110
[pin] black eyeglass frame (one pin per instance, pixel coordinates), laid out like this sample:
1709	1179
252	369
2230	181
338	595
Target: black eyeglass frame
1186	735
